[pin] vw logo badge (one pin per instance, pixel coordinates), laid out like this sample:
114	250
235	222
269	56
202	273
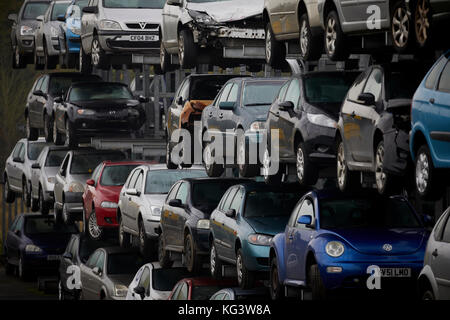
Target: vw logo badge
142	25
387	247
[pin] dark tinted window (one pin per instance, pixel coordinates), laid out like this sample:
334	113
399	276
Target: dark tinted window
116	175
328	88
444	82
45	225
160	181
34	10
59	9
87	247
206	196
166	279
55	158
367	213
146	4
260	93
206	88
100	92
124	263
430	83
403	84
60	85
356	88
269	204
86	163
34	150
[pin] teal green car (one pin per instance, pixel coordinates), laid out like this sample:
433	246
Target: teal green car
243	224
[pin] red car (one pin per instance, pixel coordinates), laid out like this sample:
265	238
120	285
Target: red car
102	195
199	288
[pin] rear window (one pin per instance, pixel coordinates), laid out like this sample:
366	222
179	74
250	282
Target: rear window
46	225
403	85
34	150
116	175
86	163
160	181
166	279
261	93
55	158
206	88
87	247
34	9
269	204
124	263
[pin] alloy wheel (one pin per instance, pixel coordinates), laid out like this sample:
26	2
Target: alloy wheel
121	234
380	175
300	164
304	40
331	35
67	134
28	127
142	236
95	52
422	23
242	160
266	163
212	259
341	166
400	27
239	266
17	56
268	45
94	229
162	56
60	293
181	49
41	200
208	157
422	172
6	189
20	268
274	282
187	252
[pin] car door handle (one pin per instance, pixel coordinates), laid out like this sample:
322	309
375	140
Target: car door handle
435	253
432	100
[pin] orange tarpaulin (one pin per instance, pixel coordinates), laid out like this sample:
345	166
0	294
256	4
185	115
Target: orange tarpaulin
192	107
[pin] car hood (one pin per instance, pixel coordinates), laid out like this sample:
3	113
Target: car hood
110	193
122	279
155	199
331	110
106	104
268	225
228	11
124	15
56	24
372	241
256	113
81	178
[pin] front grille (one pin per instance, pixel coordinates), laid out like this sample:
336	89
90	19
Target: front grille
134	44
137	26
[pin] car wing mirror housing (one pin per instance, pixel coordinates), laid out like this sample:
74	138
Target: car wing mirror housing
367	98
231	213
90	182
133	192
58	100
12	17
35	166
17	159
90	10
143	99
306	220
140	291
67	256
176	203
286	106
61	18
174	2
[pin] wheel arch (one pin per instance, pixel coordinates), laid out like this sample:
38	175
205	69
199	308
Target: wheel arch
377	138
298	138
301	9
417	140
329	6
310	260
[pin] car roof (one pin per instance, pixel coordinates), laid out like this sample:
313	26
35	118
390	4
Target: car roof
70	74
205	75
109	163
90	150
336	194
315	73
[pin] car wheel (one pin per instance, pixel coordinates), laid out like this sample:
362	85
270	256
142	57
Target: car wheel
276	287
187	49
428	295
212	169
347	179
57	136
32	133
71	140
307	173
276	178
246	169
246	278
384	181
34	204
9	268
98	55
25	194
169	163
335	38
275	51
48	128
215	264
61	293
428	181
315	282
164	60
43	206
67	217
18	59
144	242
422	22
310	47
401	28
85	62
163	254
22	270
8	194
95	232
50	62
58	214
191	260
124	237
37	61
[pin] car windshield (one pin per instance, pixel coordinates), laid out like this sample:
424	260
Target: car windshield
87	247
45	225
206	88
327	88
86	163
160	181
59	85
373	212
34	150
204	293
116	175
270	204
55	158
141	4
124	263
261	93
100	92
206	195
403	85
34	9
166	279
59	9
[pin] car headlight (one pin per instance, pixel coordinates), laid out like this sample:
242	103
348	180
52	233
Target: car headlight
76	31
85	112
257	126
26	31
31	248
203	224
110	25
321	120
76	187
156	211
260	239
109	205
334	249
201	17
120	290
54	32
51	180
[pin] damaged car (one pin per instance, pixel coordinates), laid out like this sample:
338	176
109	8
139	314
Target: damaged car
196	30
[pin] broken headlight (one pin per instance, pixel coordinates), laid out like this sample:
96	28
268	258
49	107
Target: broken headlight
201	17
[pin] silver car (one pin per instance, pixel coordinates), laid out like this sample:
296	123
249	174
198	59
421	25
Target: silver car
434	280
112	30
141	200
108	272
70	181
17	175
48	32
22	31
43	173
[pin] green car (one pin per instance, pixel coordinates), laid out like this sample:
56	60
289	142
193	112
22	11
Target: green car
243	224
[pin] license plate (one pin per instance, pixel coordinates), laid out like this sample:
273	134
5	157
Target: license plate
395	272
53	257
147	37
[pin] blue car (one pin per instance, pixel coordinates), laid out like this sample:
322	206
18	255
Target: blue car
430	134
35	243
332	239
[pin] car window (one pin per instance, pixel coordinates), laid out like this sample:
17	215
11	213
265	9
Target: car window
283	90
184	92
55	158
101	91
153	4
173	193
132	179
218	296
270	203
328	90
183	294
306	209
233	96
225	93
96	173
93	259
34	9
139	181
38	84
237	200
182	193
430	83
261	93
87	162
374	83
356	88
293	218
124	263
224	198
444	81
160	181
63	169
229	199
44	85
206	88
446	233
59	9
17	150
100	264
293	93
13	225
19	224
176	290
440	225
116	175
34	150
207	195
144	282
22	153
46	225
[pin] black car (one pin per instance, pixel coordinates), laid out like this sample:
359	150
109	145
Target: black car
374	126
78	251
39	111
306	113
94	109
35	243
185	219
240	109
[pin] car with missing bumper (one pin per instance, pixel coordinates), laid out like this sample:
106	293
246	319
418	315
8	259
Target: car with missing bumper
334	241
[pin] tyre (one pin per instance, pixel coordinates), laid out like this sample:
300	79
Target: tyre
43	205
34	204
66	216
270	179
246	278
386	183
428	295
428	182
401	27
71	139
316	284
215	264
94	231
58	214
163	254
307	173
347	180
276	287
8	194
85	64
61	292
246	169
124	237
212	169
58	138
145	244
335	38
164	60
48	128
9	268
50	61
169	163
310	47
191	260
18	59
98	56
422	16
32	133
275	51
26	196
37	62
22	270
187	49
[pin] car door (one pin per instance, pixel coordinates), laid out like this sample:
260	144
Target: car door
220	233
15	167
232	224
170	16
135	202
180	215
36	173
32	100
226	119
97	278
87	27
214	114
441	131
89	194
290	18
440	263
60	180
126	200
87	276
41	101
167	221
297	240
176	107
286	120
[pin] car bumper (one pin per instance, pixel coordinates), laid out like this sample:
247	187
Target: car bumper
74	204
106	217
320	145
89	126
397	157
152	224
256	258
26	44
201	238
119	42
73	42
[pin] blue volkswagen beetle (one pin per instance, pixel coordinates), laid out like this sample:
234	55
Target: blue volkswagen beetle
332	239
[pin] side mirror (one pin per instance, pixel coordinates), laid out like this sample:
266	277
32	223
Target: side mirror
61	18
176	203
286	106
35	166
143	99
67	256
226	105
12	17
97	271
306	220
367	98
90	182
133	192
58	100
174	2
18	160
90	10
18	233
40	18
231	213
140	291
39	93
180	101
